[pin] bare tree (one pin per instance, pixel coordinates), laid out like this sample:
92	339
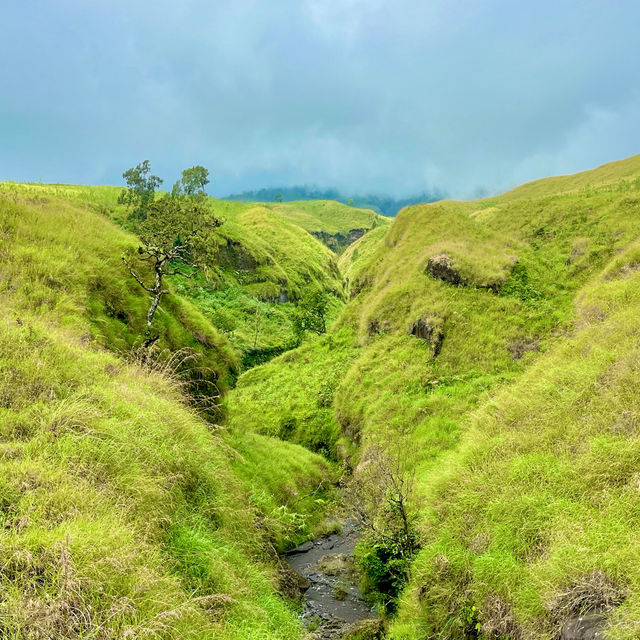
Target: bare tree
381	497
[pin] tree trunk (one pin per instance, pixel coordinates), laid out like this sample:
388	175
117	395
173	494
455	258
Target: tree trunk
157	292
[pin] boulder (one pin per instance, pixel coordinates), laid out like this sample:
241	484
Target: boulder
370	629
290	583
303	548
442	268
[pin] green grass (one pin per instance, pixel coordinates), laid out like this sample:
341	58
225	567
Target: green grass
266	260
542	492
265	264
124	513
304	414
522	425
54	267
356	256
520	412
328	216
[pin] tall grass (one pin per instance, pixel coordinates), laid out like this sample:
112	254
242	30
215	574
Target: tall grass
124	513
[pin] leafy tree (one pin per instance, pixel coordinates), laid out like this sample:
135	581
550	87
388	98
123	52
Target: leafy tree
311	312
277	197
173	235
141	188
193	182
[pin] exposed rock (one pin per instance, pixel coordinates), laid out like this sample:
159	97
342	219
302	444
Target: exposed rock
587	627
441	267
333	601
580	608
358	286
355	234
303	548
338	242
290	583
334	564
428	331
234	255
375	326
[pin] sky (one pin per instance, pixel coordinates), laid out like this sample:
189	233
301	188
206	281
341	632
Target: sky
368	96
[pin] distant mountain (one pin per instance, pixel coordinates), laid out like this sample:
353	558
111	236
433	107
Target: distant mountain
385	205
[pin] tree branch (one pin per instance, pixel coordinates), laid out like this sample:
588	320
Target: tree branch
177	272
135	275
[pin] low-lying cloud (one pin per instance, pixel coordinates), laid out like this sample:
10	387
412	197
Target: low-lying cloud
362	95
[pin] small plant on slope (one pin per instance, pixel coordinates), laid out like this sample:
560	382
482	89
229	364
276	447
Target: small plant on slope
381	497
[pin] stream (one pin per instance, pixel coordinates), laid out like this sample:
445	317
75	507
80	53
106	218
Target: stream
333	604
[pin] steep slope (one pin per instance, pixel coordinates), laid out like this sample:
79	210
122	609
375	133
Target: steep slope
269	256
356	256
532	520
64	258
336	224
469	327
124	513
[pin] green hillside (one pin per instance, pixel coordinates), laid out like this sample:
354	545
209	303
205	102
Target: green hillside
124	513
495	339
336	224
266	259
488	348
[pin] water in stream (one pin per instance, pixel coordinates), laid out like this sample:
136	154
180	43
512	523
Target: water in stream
332	600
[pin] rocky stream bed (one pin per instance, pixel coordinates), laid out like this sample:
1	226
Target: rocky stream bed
333	605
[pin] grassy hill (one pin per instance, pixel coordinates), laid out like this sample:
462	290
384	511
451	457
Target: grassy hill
334	223
494	343
495	339
124	512
267	257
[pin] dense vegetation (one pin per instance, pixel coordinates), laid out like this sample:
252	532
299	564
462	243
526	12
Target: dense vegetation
264	260
125	513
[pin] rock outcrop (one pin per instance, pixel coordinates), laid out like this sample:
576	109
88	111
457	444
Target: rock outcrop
442	268
587	627
338	242
429	331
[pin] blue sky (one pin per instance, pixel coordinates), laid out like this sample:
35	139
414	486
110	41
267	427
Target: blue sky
364	95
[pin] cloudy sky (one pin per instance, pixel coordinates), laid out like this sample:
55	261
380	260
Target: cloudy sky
386	96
